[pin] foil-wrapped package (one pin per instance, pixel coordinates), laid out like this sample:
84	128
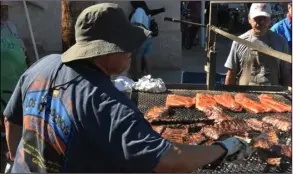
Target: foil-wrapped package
149	84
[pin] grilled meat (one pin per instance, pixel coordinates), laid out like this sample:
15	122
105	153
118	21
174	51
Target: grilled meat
257	125
179	101
250	105
195	139
268	101
159	129
211	132
226	99
205	101
272	137
227	127
175	135
286	150
265	142
274	161
262	144
157	112
209	142
280	122
216	114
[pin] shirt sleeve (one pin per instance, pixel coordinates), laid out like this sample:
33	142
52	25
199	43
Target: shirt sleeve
274	28
232	61
14	111
126	136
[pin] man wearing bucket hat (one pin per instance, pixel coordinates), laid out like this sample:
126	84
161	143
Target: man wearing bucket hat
253	67
75	120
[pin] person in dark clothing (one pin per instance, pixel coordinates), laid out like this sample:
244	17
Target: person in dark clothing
143	5
195	8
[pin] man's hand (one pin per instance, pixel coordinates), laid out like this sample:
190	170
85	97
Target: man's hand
237	148
13	137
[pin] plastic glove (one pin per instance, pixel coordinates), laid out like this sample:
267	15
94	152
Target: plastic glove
236	148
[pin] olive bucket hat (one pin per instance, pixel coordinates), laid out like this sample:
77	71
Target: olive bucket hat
104	29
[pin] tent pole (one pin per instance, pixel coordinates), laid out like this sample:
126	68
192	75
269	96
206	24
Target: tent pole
30	29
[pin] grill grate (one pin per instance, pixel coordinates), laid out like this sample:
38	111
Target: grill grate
254	164
146	101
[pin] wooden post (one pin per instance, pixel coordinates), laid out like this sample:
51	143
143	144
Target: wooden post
210	68
67	26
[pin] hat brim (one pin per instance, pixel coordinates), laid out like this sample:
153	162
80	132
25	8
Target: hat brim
128	42
265	14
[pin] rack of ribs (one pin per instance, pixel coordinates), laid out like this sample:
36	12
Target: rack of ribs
272	137
270	142
287	150
279	121
227	127
159	129
274	161
216	114
226	99
157	112
258	125
195	138
209	142
173	100
268	101
175	135
204	101
250	105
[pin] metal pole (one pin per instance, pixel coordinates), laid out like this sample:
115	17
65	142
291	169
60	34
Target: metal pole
30	29
202	30
268	51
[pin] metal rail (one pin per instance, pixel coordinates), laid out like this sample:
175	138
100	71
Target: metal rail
247	1
268	51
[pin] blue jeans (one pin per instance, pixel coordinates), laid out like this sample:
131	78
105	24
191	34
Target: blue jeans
138	61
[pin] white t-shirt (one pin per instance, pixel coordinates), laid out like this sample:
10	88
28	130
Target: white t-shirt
139	16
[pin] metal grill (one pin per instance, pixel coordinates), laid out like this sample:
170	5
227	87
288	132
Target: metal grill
146	101
254	164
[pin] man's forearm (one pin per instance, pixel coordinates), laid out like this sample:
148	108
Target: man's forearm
230	78
230	81
186	158
13	136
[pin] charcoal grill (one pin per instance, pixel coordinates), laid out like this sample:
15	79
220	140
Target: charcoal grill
146	101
